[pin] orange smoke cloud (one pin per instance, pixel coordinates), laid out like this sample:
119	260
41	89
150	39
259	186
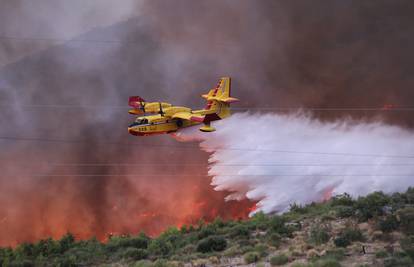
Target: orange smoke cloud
124	200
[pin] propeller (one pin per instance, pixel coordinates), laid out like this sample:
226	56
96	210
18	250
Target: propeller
142	104
161	111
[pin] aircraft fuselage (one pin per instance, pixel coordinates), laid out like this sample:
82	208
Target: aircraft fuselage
157	124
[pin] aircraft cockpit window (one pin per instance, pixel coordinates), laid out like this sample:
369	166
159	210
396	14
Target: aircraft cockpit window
139	122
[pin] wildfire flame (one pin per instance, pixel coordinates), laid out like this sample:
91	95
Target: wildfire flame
52	208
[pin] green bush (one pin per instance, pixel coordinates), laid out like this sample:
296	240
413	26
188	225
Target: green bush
259	221
337	254
205	232
66	242
251	257
245	248
409	196
318	235
25	250
218	223
274	239
261	249
353	234
406	216
277	225
212	243
239	231
279	260
143	263
134	253
22	263
398	262
297	208
348	236
327	263
161	263
388	224
342	200
46	248
371	206
342	242
344	211
160	247
232	251
140	241
65	262
381	254
173	237
398	201
407	244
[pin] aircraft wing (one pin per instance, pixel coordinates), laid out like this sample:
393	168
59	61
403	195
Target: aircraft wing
188	116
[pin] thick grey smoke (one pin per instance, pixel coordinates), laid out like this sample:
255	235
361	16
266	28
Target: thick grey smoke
27	27
278	160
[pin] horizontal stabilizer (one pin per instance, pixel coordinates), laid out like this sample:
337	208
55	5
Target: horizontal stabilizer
223	99
135	111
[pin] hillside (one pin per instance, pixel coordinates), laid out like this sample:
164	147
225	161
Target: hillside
376	230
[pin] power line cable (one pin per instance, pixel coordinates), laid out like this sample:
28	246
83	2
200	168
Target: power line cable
246	164
46	106
230	175
90	41
329	109
62	40
64	106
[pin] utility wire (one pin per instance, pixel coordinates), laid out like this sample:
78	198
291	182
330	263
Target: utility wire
61	40
47	106
88	41
41	106
328	109
231	175
246	164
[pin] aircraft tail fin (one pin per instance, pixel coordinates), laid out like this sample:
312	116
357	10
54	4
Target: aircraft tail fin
137	103
219	98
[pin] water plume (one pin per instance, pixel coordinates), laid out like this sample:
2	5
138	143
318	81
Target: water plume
278	160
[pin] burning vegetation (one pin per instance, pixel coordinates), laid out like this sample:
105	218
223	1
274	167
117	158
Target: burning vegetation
374	230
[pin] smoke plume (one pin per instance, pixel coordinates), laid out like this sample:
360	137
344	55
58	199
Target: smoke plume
278	160
67	69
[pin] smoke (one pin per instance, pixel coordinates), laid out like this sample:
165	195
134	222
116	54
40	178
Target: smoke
278	160
27	27
64	102
279	54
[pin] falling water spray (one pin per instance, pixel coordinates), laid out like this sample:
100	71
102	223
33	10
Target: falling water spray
278	160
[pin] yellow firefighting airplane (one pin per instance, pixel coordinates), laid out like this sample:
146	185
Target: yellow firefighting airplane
167	118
